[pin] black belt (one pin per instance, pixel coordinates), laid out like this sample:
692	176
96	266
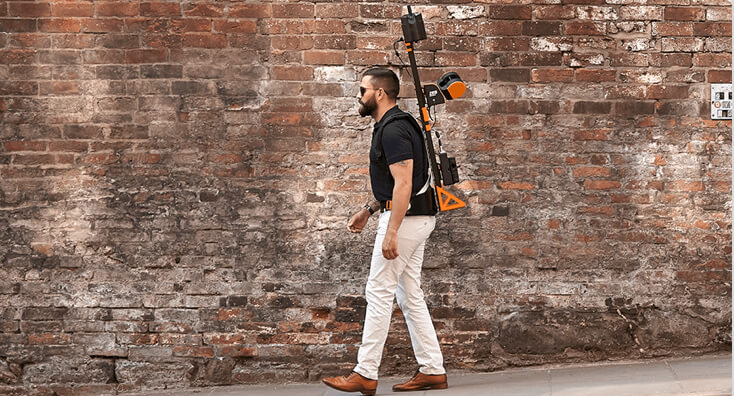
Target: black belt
420	205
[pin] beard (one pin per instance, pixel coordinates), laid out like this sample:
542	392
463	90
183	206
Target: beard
367	108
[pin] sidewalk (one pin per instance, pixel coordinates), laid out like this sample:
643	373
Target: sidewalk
700	376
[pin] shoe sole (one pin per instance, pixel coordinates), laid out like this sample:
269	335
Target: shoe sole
364	392
445	385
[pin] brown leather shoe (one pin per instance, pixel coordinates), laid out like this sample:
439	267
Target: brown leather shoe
352	383
422	381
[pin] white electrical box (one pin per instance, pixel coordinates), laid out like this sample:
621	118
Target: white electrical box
721	102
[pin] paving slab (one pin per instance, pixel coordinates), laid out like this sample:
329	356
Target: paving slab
698	376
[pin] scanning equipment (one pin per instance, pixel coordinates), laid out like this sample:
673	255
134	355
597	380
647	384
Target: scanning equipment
448	87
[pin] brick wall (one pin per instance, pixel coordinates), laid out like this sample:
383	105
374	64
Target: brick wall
175	179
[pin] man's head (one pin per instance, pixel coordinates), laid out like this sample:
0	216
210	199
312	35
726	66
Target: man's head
378	91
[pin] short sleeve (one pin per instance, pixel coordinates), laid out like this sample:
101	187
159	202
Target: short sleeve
396	144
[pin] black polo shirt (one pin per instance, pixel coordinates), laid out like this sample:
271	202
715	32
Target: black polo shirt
400	141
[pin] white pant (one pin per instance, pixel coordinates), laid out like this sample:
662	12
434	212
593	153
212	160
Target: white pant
403	275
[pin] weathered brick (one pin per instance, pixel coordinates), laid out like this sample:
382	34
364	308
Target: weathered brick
211	142
585	28
59	25
234	10
300	10
159	9
117	8
684	14
17	25
28	9
592	107
510	12
72	9
510	75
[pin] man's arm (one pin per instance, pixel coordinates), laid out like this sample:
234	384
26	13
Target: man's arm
402	173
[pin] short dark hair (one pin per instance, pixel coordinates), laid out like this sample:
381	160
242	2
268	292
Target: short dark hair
385	79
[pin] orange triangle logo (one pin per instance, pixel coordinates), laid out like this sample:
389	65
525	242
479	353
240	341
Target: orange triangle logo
448	201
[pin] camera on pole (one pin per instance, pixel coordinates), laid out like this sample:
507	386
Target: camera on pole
448	87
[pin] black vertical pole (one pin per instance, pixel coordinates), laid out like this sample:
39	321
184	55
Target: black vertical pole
425	121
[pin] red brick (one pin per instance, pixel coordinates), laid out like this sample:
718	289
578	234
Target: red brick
712	60
68	146
554	12
323	57
541	28
30	40
456	59
505	43
601	184
667	60
512	185
585	28
335	41
72	9
667	92
552	75
367	58
380	11
244	26
510	12
191	25
146	56
203	9
292	42
597	134
282	26
684	14
719	76
684	185
672	29
59	25
591	171
491	28
17	25
595	75
25	145
249	11
712	29
326	26
295	73
104	25
29	9
298	10
634	108
205	40
331	10
117	8
584	107
157	9
59	88
17	56
510	75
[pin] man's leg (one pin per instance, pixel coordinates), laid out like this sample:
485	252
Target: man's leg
411	301
380	293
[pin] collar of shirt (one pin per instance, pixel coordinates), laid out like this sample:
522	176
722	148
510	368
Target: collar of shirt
392	110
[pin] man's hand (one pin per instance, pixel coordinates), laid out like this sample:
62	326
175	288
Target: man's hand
390	245
358	221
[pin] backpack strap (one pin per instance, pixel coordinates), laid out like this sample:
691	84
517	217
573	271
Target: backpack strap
417	129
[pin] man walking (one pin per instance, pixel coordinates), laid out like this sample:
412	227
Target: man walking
399	179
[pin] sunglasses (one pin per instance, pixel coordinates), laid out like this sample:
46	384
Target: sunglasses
362	90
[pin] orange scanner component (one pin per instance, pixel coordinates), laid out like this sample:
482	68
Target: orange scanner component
448	201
